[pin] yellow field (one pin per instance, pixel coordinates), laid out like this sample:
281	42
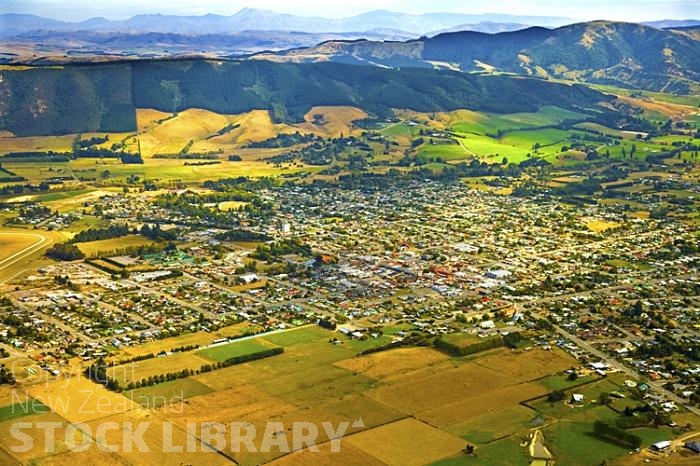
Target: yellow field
336	120
171	136
12	242
197	338
479	403
256	125
39	444
443	385
77	202
174	169
153	438
102	247
79	400
398	363
407	442
674	111
347	456
156	366
599	226
18	247
529	365
37	144
91	456
146	118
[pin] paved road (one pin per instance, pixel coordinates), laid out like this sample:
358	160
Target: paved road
617	365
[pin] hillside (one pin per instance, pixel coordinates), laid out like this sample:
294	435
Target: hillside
75	99
626	54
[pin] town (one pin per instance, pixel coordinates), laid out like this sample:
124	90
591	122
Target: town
409	264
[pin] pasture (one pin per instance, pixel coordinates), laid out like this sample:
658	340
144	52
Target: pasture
78	399
173	134
167	393
40	447
155	366
226	351
10	144
107	246
406	442
154	437
443	152
333	122
201	338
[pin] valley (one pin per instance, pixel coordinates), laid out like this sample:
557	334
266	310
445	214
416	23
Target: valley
474	243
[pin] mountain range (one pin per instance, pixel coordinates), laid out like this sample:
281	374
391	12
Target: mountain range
624	54
103	97
265	20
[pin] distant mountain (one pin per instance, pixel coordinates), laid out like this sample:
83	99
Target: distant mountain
673	23
265	20
12	23
485	26
624	54
156	44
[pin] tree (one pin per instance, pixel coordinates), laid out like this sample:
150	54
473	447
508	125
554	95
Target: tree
604	398
65	252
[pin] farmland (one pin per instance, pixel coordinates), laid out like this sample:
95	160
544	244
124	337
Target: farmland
102	247
377	256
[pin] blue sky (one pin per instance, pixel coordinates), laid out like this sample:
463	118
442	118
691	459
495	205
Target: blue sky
623	10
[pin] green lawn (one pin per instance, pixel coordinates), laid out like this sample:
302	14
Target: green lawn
221	353
651	435
561	382
295	336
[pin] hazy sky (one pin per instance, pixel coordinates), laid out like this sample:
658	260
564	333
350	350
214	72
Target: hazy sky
624	10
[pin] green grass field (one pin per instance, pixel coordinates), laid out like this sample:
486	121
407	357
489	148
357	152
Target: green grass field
25	408
574	443
445	152
295	336
493	149
491	124
221	353
561	382
504	452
